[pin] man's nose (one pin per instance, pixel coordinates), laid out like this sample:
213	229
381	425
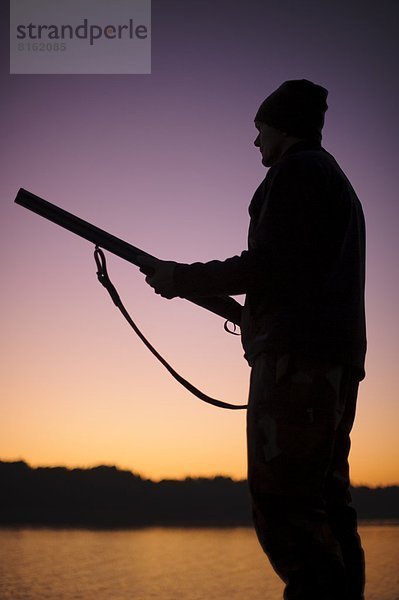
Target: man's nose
256	142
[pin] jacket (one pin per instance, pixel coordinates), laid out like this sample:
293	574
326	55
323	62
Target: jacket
303	273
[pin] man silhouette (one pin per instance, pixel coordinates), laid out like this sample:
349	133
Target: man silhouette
303	332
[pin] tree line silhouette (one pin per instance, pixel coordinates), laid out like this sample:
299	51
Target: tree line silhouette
106	496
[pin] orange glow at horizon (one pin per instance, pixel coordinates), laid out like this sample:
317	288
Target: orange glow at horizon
121	421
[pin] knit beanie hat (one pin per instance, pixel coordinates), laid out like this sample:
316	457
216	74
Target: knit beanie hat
297	107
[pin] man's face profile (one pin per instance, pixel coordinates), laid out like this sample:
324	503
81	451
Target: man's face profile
271	143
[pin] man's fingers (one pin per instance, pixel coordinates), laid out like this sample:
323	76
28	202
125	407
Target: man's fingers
159	275
147	264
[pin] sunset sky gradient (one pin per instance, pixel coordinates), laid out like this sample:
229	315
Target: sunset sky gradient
166	161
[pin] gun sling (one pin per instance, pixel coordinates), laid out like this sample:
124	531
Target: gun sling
224	306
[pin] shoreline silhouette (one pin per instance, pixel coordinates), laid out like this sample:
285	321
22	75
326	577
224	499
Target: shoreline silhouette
105	496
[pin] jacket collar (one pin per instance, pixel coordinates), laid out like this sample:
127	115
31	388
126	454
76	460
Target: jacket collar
303	145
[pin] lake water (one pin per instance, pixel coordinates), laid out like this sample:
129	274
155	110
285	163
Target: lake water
164	563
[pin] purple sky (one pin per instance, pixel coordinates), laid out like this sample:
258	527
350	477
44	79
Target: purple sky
167	162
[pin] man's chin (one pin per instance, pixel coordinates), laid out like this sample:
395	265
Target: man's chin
265	162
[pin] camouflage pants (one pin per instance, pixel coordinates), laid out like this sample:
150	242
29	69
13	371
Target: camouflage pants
300	415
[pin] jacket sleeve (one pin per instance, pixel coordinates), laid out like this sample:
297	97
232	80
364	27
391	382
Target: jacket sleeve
215	278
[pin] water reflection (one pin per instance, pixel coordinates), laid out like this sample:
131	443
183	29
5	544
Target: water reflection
192	564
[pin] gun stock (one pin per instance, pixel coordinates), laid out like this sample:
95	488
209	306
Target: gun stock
224	306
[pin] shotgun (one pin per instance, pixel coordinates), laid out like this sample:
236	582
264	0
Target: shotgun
223	306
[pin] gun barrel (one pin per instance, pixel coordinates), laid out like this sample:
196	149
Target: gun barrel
78	226
224	306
